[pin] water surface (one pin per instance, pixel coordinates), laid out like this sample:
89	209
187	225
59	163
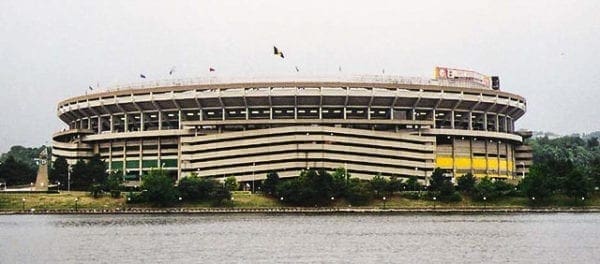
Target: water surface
264	238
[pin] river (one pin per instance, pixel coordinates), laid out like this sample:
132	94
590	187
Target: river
284	238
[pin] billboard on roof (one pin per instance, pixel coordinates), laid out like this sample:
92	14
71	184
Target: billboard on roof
441	73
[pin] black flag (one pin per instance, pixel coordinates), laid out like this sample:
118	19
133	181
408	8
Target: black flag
142	76
297	69
90	87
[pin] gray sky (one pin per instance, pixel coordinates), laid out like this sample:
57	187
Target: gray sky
547	51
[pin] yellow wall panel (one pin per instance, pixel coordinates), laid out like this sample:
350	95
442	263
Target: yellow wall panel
503	164
479	163
444	162
462	163
492	163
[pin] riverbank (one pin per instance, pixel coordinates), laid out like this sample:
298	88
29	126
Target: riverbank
244	202
304	210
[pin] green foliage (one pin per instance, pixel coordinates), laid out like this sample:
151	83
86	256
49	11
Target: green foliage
358	192
84	174
231	183
196	188
485	188
79	178
437	180
310	188
114	184
60	170
339	183
15	172
379	185
576	185
394	185
412	184
220	195
536	184
157	188
96	190
269	185
96	169
466	183
442	187
24	155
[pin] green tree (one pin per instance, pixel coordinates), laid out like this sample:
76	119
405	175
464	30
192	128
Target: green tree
379	185
220	195
194	188
466	183
358	192
269	185
339	183
96	168
536	184
485	188
312	187
394	185
442	187
437	180
114	183
158	188
60	171
15	172
412	184
24	155
231	183
576	185
80	179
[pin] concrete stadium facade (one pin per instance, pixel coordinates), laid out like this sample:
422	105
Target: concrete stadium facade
245	128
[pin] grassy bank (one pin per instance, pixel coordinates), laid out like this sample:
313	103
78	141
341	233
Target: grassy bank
66	201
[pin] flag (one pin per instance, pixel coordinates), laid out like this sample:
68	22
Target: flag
278	52
211	69
142	76
172	70
297	70
90	87
340	68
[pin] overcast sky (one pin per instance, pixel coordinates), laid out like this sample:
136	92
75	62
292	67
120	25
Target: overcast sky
547	51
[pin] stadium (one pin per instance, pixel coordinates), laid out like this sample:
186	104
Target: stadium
394	126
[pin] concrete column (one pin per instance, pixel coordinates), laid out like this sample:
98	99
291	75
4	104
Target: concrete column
368	113
452	118
126	123
179	119
142	121
344	112
112	124
320	112
434	118
200	112
485	122
497	123
470	120
160	120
